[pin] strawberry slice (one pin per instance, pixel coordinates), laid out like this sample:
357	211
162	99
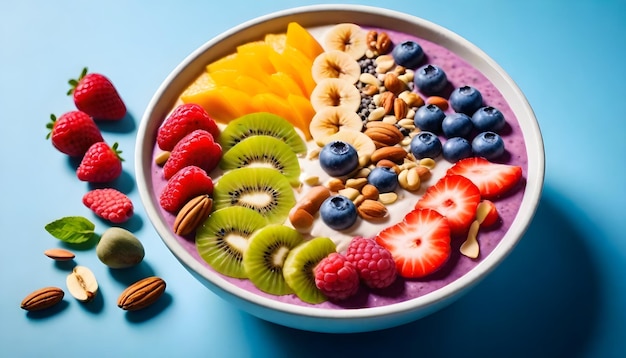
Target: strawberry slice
492	179
454	197
419	244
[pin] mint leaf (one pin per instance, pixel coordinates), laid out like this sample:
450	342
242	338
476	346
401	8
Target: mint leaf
71	229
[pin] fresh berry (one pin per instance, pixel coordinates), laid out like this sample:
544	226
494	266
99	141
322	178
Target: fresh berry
456	148
419	244
183	120
338	158
488	145
457	125
488	119
338	212
454	197
73	133
109	204
100	164
492	179
466	99
185	185
487	213
430	80
408	54
336	277
426	145
385	179
428	118
196	148
95	95
373	262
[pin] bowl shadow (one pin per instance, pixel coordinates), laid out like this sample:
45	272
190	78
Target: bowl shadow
541	301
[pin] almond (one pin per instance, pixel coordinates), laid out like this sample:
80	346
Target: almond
192	214
394	154
43	298
301	219
371	210
141	294
440	102
369	191
59	254
383	134
400	108
386	101
393	84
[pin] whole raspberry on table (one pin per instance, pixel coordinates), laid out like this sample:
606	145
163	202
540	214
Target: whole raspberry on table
101	164
73	133
336	277
373	262
109	204
96	95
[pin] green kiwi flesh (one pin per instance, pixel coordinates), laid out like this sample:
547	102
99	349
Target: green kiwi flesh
261	123
299	266
262	189
264	258
263	151
223	238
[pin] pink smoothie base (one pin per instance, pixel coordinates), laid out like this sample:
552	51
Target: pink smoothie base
459	73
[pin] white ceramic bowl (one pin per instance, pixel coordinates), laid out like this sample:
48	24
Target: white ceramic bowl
321	319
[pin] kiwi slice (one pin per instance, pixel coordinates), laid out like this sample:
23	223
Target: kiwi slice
264	258
263	151
299	266
263	189
261	123
223	238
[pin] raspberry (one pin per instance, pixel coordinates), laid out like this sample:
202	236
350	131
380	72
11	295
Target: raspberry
183	120
109	204
336	277
186	184
373	262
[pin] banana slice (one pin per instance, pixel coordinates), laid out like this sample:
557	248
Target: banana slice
335	64
363	144
346	37
330	120
333	92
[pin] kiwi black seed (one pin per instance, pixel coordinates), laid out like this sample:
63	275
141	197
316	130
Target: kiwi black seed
263	151
223	238
266	253
299	267
261	123
262	189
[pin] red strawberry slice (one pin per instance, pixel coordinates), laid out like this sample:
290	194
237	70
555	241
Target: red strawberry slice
185	185
492	179
183	120
454	197
96	95
197	148
419	244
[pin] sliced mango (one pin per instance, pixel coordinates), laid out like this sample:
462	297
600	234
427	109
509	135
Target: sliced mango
300	38
277	41
303	112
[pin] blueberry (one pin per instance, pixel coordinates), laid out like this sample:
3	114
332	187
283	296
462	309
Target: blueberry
430	79
457	125
408	54
429	118
466	99
488	119
488	145
456	148
338	158
384	179
426	145
338	212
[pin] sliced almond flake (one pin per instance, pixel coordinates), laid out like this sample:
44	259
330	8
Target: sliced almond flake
470	247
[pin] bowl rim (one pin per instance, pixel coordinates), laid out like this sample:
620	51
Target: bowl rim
309	16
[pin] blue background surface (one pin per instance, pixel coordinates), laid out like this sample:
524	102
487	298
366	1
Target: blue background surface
562	292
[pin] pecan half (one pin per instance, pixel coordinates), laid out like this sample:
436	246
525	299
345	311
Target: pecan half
43	298
141	294
192	214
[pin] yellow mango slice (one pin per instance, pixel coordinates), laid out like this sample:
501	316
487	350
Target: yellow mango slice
303	113
225	103
300	38
285	85
194	92
276	41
